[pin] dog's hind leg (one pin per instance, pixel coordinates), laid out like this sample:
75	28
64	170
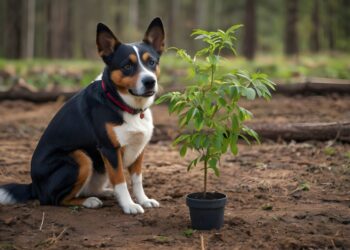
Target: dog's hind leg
84	175
98	186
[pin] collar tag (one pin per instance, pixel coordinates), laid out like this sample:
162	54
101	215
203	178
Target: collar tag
142	115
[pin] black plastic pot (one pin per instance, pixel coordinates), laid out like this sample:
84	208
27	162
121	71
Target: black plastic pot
206	213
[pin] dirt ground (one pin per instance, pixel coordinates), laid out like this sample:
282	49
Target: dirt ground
283	195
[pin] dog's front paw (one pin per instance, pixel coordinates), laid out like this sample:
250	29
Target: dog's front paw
149	203
92	202
133	208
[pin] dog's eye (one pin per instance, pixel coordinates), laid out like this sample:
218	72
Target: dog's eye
127	66
151	62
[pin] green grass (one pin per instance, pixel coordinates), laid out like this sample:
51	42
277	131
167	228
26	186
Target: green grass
280	67
43	72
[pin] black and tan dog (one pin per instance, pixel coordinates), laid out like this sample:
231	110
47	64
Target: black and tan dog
99	132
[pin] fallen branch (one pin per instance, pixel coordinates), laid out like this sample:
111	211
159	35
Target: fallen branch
36	97
321	86
339	131
311	85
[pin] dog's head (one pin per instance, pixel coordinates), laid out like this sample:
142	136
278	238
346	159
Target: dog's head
133	68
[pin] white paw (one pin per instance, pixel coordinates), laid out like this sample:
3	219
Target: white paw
92	202
149	203
133	208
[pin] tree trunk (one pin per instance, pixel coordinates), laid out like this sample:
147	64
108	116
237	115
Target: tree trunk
218	7
118	18
134	14
291	34
172	23
13	29
59	34
29	48
315	36
153	8
249	41
201	13
330	25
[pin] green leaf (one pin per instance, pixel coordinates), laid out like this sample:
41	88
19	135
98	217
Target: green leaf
198	121
233	144
192	164
235	123
162	99
234	92
180	139
212	164
222	101
183	55
244	114
249	93
251	133
190	114
213	59
218	140
233	28
183	150
245	139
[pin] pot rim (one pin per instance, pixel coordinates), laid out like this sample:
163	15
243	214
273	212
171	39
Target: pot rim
224	196
210	204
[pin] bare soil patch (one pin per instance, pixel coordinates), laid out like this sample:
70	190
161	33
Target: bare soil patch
267	208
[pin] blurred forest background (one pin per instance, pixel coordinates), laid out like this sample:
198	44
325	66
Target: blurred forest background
317	31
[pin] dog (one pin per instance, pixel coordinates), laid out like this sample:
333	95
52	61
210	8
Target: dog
100	132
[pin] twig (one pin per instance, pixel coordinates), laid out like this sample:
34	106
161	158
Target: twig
42	222
202	242
60	235
335	247
52	240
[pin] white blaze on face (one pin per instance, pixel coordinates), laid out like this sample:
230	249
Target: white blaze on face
144	72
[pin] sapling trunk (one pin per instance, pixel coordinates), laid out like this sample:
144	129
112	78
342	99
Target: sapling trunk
205	178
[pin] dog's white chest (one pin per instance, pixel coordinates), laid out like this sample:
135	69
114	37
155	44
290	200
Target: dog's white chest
134	134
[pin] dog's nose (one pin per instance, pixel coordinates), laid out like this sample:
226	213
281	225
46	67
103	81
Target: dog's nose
149	82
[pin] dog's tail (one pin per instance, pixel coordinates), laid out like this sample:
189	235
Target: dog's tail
16	193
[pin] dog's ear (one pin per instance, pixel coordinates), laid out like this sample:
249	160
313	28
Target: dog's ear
105	40
155	35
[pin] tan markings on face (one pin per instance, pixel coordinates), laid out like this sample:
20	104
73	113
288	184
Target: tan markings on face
123	83
115	173
111	134
157	71
85	170
133	58
136	167
145	56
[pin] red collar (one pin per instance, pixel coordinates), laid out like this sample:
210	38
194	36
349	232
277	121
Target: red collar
120	104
